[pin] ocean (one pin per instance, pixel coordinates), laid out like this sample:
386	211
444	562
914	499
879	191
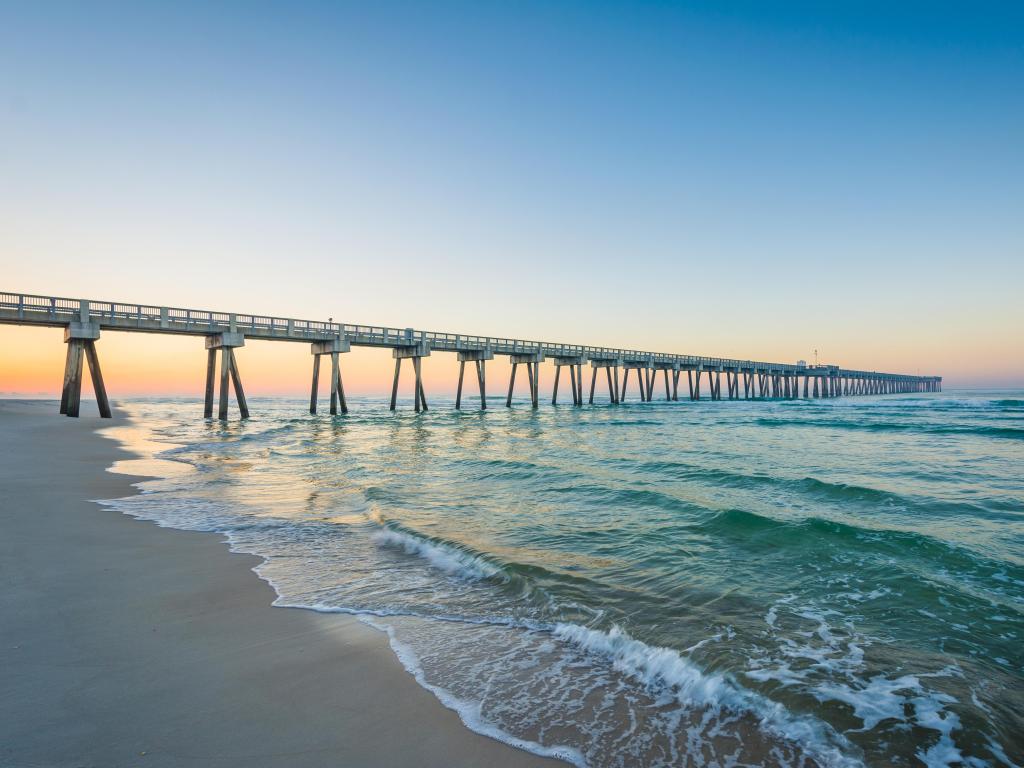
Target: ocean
793	583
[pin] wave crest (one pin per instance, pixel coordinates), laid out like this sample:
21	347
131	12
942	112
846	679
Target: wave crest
445	557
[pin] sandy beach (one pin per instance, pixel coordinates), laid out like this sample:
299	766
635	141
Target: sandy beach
128	644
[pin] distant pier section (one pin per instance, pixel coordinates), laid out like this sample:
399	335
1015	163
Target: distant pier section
223	333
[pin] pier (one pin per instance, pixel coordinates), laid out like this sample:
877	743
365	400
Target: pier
224	333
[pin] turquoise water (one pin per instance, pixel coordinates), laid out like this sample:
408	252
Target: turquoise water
717	583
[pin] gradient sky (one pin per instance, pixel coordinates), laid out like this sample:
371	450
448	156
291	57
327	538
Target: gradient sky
751	180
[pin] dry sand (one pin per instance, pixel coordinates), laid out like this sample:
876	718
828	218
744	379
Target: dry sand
122	643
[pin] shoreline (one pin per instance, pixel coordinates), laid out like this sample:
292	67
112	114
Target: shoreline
128	643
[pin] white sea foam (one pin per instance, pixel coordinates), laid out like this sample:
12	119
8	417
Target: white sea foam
874	702
882	699
929	713
657	667
469	711
1000	754
441	556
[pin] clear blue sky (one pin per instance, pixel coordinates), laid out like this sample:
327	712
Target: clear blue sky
745	179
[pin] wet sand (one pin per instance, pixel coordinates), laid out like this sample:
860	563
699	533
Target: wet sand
125	644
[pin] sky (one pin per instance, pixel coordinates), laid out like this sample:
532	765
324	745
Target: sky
751	180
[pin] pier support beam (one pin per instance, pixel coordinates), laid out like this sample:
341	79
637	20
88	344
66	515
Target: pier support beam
732	379
416	352
226	342
715	383
478	357
611	370
575	364
532	361
81	338
693	380
670	374
333	347
643	378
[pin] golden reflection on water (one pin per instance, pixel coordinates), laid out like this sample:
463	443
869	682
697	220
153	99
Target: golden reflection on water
137	441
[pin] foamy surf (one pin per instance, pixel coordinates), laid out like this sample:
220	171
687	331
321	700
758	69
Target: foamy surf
446	558
469	710
650	604
664	671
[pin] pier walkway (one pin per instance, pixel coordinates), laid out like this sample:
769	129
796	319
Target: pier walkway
224	332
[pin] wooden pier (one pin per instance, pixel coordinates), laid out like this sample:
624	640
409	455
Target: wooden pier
226	332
